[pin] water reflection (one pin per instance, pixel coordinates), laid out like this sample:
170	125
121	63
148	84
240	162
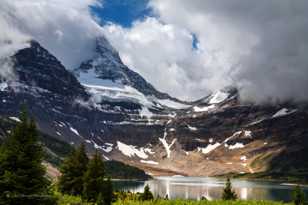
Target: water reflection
211	188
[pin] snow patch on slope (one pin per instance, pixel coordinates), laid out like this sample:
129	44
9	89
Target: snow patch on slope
192	128
74	131
209	148
149	162
236	146
131	151
283	112
16	119
165	143
203	109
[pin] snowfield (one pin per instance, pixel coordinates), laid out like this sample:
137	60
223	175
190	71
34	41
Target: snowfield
131	151
203	109
218	97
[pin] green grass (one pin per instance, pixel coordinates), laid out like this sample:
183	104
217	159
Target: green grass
192	202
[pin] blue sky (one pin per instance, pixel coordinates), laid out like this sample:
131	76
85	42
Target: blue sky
123	12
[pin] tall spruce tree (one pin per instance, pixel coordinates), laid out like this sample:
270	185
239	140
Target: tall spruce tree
108	192
73	170
228	193
21	155
94	183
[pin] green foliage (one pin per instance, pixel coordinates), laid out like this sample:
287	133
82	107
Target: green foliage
147	194
73	170
119	170
126	196
228	193
32	199
108	192
194	202
94	182
298	196
21	169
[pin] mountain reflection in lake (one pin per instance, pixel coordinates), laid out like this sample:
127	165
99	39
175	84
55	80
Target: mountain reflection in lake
211	188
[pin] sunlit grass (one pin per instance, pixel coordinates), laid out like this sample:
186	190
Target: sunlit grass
192	202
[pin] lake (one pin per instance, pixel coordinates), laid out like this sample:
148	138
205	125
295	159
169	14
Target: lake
211	188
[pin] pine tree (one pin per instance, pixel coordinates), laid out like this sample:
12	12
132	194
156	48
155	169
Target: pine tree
147	194
73	170
228	193
94	183
108	192
21	155
298	196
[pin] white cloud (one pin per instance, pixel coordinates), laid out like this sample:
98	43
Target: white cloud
65	27
164	55
260	46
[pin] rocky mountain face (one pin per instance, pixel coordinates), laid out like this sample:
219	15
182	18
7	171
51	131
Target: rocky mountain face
114	110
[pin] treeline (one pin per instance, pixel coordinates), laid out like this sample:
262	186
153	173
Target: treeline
119	170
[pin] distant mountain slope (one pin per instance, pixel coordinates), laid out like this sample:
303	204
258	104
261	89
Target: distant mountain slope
115	111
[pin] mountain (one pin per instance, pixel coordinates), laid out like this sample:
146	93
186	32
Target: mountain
114	110
106	78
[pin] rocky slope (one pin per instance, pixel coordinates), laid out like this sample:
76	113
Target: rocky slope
113	109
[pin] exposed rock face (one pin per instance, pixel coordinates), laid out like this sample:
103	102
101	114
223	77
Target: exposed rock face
113	109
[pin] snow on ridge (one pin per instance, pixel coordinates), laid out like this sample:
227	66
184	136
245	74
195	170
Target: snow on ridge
149	162
16	119
218	97
203	109
131	151
283	112
209	148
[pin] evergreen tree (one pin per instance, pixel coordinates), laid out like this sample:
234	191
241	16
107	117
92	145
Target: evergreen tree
298	196
21	155
147	194
228	193
108	192
94	183
73	170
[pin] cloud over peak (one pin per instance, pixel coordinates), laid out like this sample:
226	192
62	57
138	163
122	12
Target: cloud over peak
187	48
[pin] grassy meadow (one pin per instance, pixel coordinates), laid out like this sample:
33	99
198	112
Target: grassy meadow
193	202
